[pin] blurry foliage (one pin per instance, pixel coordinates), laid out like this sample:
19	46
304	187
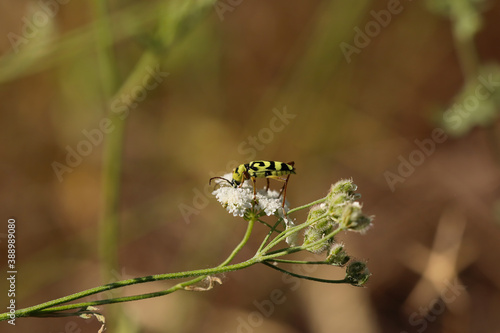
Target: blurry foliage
478	102
465	14
226	77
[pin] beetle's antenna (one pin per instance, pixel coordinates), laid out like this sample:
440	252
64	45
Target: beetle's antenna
210	180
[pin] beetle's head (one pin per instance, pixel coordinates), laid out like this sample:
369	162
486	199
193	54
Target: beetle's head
239	175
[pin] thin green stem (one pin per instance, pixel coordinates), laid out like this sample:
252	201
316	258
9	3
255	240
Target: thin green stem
198	273
290	250
51	306
106	60
285	251
111	172
304	276
291	211
268	225
464	43
245	239
282	250
290	231
112	153
273	228
300	262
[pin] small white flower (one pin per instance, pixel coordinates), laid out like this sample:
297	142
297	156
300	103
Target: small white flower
235	200
238	200
270	202
292	238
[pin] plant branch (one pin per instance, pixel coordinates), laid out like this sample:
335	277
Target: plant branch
52	306
303	276
291	211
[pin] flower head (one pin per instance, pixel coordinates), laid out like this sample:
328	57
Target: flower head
357	273
353	219
339	210
337	255
238	200
342	191
235	200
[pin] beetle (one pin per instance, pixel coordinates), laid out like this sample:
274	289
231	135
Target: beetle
261	169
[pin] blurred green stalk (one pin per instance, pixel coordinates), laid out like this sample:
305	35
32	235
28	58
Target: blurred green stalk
172	16
112	156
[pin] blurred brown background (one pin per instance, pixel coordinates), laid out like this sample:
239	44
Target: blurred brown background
246	80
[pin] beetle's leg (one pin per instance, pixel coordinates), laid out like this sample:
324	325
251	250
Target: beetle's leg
284	192
283	180
254	191
267	187
283	189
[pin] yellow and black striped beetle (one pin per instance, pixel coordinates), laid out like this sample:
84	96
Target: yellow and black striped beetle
261	169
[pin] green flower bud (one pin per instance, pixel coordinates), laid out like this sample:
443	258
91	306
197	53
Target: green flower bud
353	219
335	210
361	224
337	255
343	186
316	233
341	192
316	212
357	273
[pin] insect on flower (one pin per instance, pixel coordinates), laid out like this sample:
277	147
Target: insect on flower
261	169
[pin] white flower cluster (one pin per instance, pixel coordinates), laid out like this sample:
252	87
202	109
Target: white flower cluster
238	200
293	237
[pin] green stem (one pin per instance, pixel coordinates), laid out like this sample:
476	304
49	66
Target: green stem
285	251
465	47
112	151
306	206
242	243
112	154
289	250
300	262
106	60
304	276
51	306
273	228
290	231
268	225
